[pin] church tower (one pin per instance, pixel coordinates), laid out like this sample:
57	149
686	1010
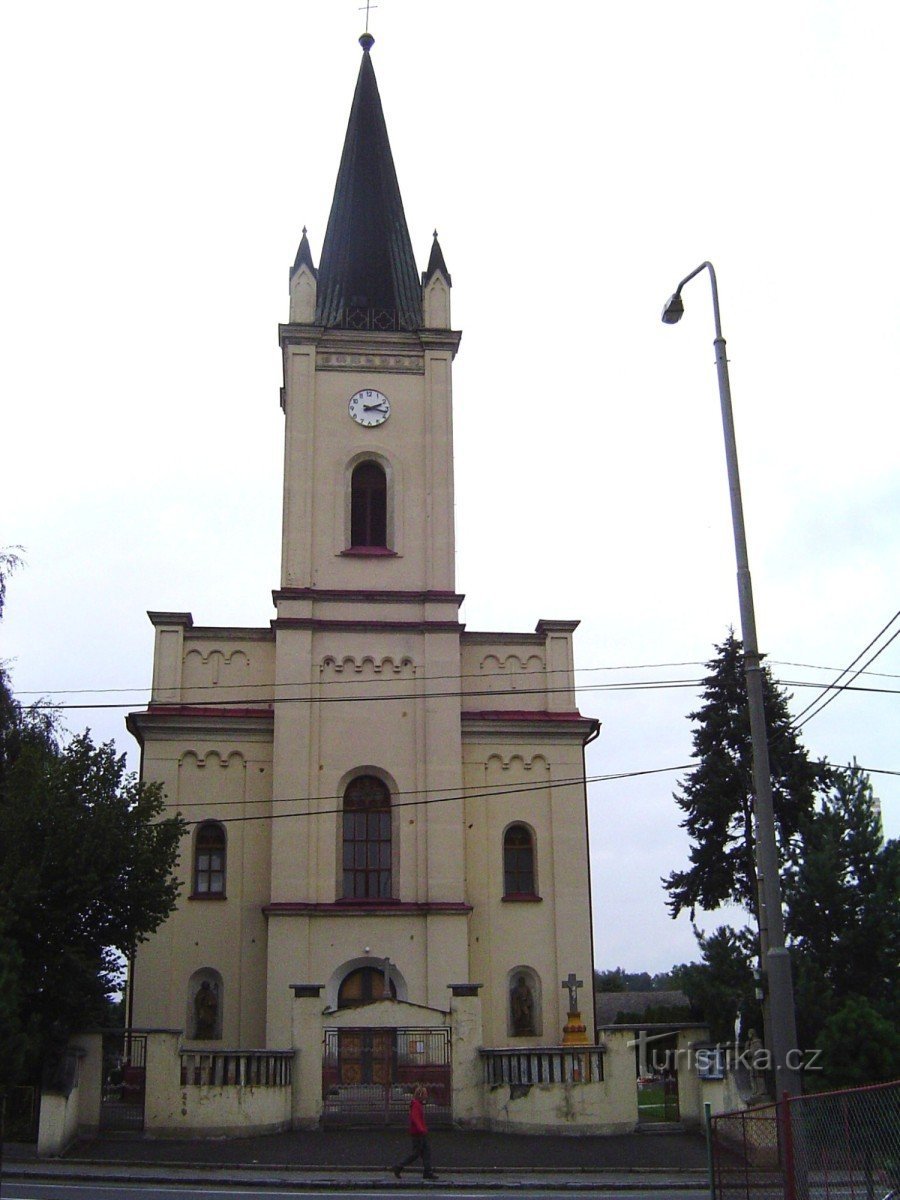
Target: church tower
381	803
367	631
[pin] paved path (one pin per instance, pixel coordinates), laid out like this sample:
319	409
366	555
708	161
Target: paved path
329	1159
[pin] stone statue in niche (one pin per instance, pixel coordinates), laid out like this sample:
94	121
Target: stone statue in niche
521	1006
206	1011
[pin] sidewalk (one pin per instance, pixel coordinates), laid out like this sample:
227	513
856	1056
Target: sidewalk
361	1157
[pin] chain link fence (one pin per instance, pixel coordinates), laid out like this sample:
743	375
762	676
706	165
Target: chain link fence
833	1146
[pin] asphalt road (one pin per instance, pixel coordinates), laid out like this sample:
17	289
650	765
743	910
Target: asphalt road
25	1189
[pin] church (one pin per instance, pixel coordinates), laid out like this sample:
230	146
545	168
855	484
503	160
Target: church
385	809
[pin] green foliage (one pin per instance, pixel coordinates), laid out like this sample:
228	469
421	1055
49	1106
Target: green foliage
87	860
620	980
843	906
722	985
717	796
859	1046
609	981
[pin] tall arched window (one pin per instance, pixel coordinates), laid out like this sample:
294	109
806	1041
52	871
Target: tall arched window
518	862
368	505
367	840
209	860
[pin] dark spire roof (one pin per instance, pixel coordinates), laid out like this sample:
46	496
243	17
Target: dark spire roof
436	263
367	272
304	256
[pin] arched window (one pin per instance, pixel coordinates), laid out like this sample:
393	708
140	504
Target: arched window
368	505
209	860
363	986
367	840
518	862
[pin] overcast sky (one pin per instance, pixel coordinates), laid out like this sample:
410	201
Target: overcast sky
577	160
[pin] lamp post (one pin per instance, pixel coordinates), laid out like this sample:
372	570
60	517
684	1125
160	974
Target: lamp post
781	1032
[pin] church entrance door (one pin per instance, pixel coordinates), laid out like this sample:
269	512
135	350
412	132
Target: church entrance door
368	1075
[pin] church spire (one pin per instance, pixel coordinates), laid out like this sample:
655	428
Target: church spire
367	275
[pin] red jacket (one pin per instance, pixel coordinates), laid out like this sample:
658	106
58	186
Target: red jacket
417	1126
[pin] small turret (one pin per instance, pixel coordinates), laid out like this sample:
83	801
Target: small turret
436	286
303	285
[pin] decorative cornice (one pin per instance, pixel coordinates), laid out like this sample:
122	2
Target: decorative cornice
350	349
175	720
524	714
369	597
209	711
498	723
326	624
171	618
248	633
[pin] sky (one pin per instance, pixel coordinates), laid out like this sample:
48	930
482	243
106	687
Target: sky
577	161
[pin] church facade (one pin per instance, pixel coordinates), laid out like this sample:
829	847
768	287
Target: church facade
382	804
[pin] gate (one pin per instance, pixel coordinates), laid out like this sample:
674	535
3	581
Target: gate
368	1075
124	1079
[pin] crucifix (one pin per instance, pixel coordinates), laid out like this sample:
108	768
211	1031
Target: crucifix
368	6
573	984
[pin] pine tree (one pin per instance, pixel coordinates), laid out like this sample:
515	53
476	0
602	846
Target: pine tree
843	905
717	797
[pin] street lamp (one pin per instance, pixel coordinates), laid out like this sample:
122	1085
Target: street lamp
774	958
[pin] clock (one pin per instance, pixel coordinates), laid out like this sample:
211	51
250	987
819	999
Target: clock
368	407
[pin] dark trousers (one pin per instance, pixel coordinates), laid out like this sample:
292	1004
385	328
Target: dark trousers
420	1149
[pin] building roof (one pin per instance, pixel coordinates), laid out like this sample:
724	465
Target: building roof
608	1005
367	272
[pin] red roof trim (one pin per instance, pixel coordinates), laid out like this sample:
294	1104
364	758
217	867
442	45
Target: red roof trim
326	623
499	714
197	710
354	908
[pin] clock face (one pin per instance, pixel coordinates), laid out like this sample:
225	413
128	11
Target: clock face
368	407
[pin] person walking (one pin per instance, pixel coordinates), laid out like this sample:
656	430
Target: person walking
418	1131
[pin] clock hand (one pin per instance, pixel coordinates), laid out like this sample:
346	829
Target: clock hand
374	408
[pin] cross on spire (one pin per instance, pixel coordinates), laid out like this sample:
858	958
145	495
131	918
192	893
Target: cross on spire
368	6
573	984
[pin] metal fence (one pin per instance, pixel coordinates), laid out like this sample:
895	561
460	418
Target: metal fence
833	1146
368	1075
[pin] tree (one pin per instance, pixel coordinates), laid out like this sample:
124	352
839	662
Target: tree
717	797
843	905
609	981
859	1046
722	985
87	860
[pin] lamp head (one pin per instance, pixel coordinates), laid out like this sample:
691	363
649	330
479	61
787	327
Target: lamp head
674	310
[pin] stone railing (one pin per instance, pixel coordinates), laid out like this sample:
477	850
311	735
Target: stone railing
236	1068
543	1064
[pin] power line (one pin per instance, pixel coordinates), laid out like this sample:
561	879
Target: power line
818	704
269	701
212	687
653	685
482	794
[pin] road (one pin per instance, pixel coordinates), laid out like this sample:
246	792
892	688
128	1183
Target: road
25	1189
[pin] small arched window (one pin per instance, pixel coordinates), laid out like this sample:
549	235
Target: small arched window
363	986
518	862
209	861
368	505
367	840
